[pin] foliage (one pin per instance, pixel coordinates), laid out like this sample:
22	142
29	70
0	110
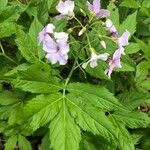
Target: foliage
68	107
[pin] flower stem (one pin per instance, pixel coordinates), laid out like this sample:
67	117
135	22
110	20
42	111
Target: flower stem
69	76
4	54
89	43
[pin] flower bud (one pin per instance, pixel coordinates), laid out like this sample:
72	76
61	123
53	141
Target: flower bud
70	30
82	31
103	44
83	12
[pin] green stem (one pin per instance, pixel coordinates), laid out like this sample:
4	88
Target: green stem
4	54
69	76
85	32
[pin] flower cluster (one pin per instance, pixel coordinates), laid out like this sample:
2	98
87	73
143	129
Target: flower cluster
121	41
55	44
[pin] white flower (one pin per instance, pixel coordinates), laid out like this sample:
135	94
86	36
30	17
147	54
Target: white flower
94	59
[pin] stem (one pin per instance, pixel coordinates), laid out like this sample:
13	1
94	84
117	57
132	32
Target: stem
69	76
4	54
85	32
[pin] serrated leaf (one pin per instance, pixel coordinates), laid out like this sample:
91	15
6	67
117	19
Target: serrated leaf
145	84
38	78
132	100
7	29
34	30
146	3
98	96
125	141
129	24
3	3
132	48
23	143
41	109
63	127
114	14
90	118
8	98
45	145
130	4
142	71
25	46
11	143
10	13
133	119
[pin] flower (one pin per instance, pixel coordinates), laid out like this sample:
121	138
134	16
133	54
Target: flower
96	8
114	63
57	47
116	60
94	58
44	34
66	9
111	28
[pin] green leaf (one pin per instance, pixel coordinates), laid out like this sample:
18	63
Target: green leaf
145	84
146	3
26	46
129	24
3	3
114	14
98	72
130	4
41	109
63	127
10	14
98	96
132	48
11	143
132	100
91	118
38	78
45	145
133	119
8	98
23	143
7	29
144	47
142	71
124	138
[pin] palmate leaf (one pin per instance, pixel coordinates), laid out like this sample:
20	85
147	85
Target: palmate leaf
67	114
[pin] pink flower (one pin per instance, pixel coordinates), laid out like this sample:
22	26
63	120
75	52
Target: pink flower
94	59
116	60
57	47
96	8
66	9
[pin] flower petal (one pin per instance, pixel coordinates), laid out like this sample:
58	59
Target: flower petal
65	7
103	13
123	40
96	6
